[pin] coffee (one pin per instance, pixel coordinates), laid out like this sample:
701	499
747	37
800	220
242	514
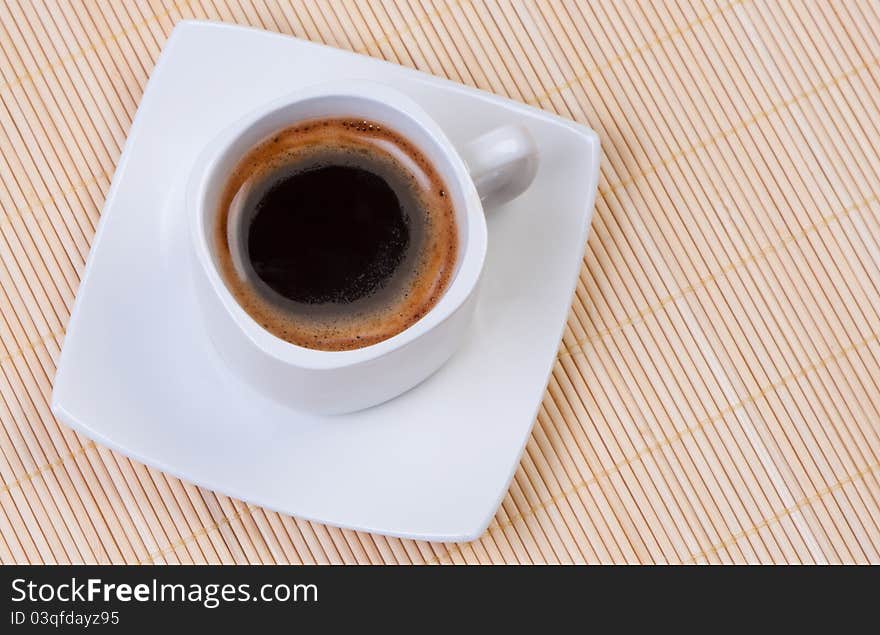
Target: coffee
336	234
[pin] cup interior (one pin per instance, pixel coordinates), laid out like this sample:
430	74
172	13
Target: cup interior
376	105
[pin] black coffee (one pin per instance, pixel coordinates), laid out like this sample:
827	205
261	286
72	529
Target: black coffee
333	230
336	234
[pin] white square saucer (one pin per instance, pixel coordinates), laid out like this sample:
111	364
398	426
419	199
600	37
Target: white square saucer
138	373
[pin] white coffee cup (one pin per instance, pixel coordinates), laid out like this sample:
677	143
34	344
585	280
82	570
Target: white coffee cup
490	170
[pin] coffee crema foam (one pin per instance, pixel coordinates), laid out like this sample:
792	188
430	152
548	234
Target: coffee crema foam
379	304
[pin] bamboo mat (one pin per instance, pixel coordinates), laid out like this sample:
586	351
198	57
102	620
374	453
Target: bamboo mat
716	393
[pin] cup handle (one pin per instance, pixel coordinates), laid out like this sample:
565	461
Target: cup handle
502	163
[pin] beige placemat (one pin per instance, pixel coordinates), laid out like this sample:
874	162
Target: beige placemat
716	394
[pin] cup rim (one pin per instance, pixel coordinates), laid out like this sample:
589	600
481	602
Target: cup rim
460	287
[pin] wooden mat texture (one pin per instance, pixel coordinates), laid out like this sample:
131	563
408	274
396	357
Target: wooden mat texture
716	393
